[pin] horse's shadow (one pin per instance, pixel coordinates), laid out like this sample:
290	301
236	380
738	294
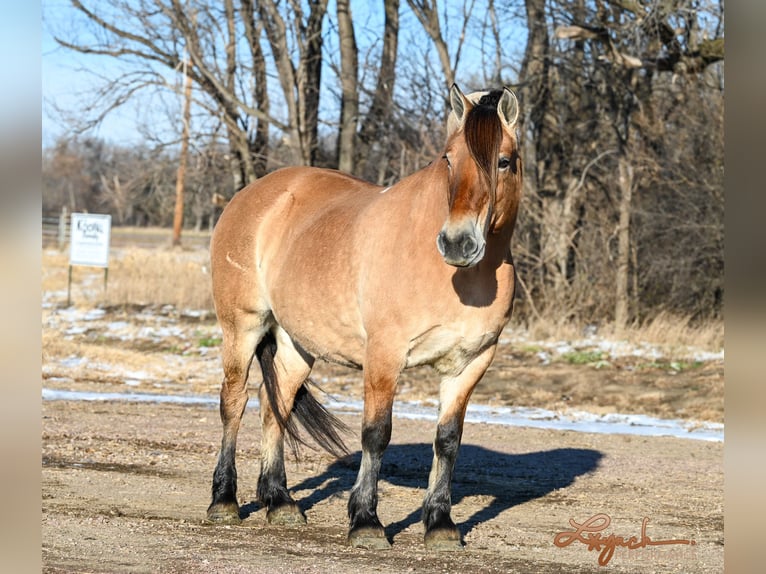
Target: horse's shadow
507	479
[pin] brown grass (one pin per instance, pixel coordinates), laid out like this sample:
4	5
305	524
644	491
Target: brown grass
162	276
671	330
665	330
137	276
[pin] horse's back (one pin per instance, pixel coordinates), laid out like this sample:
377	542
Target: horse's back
307	184
272	225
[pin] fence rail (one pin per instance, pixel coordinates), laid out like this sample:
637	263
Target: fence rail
56	228
56	233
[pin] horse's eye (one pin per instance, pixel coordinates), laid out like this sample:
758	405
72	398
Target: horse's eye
446	157
504	163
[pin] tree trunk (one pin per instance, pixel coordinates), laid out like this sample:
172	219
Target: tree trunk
311	63
622	301
380	109
349	103
300	83
534	94
276	32
260	144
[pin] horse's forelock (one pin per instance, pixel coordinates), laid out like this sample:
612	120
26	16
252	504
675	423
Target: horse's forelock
483	136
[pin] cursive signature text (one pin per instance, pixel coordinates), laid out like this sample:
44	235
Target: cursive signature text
589	533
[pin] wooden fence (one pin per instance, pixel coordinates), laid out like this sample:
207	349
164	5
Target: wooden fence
56	233
56	229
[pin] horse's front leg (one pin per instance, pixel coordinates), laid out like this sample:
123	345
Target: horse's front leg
380	377
440	531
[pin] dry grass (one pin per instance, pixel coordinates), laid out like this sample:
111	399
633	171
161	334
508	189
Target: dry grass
161	276
665	330
123	342
671	330
137	276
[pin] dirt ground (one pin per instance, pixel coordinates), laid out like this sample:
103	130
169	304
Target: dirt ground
126	485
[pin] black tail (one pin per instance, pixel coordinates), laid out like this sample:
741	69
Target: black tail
321	424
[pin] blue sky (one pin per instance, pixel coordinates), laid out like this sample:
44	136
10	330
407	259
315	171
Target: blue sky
67	77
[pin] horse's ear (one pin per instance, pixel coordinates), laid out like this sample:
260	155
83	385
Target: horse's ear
460	104
508	108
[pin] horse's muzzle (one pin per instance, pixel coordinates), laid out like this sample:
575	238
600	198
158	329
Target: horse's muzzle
463	249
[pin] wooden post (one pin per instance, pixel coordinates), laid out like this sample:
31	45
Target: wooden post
63	218
69	288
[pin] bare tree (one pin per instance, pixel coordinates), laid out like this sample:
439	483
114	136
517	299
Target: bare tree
299	80
590	137
150	37
621	131
427	13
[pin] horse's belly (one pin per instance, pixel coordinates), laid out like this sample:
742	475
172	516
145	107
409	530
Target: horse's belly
344	349
448	350
324	328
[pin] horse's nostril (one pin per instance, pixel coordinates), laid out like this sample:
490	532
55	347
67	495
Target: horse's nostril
468	245
441	243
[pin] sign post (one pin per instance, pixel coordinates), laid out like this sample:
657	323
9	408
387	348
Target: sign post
89	244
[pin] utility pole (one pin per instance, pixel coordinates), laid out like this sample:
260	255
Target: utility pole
178	216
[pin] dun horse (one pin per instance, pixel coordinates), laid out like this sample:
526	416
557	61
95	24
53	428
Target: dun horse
311	263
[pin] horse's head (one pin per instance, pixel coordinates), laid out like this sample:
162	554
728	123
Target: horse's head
484	173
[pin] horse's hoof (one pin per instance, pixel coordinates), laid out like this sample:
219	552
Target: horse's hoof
286	515
369	537
444	540
224	514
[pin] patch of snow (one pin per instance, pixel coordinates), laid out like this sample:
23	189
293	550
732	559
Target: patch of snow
57	395
136	375
75	330
544	356
73	361
578	421
94	314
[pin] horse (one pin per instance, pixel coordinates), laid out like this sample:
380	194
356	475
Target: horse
310	263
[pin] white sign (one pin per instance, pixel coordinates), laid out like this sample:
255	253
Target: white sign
89	244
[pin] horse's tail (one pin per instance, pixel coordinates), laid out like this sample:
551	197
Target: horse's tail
321	424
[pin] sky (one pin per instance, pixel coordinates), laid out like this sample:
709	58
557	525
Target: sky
66	77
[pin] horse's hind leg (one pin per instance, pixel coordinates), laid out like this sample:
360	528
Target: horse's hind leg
285	369
241	333
441	532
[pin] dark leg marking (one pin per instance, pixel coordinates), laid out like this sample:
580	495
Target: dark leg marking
224	507
365	529
441	532
273	494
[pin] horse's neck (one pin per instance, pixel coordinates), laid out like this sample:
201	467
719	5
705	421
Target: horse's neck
427	191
